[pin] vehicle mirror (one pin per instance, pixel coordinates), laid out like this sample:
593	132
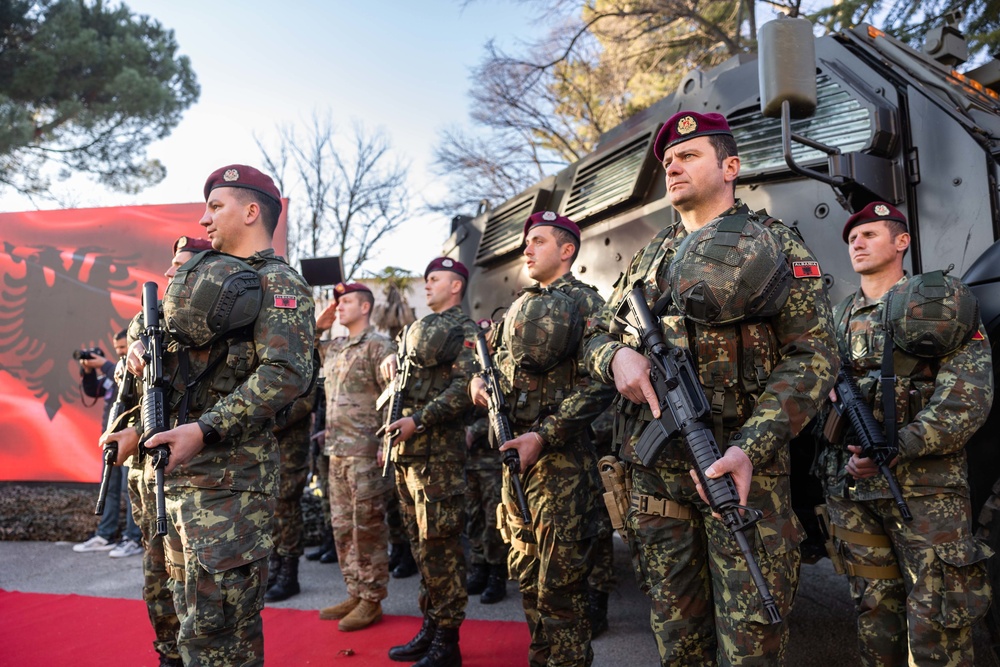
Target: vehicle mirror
786	62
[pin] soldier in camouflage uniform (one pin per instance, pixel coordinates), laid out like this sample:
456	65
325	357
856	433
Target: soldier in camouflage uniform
919	586
487	550
601	582
553	400
292	434
222	475
429	455
141	488
358	491
765	354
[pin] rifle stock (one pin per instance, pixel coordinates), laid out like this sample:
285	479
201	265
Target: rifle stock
500	423
125	400
154	402
683	407
870	435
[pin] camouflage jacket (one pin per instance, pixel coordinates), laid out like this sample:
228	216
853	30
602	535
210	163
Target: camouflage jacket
779	389
353	384
568	398
940	403
439	398
247	380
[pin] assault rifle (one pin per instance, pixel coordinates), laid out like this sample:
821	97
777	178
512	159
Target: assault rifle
499	422
126	399
683	409
154	400
870	435
393	394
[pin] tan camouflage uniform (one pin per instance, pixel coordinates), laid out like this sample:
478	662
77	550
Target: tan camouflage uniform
220	505
706	610
552	557
923	613
358	492
430	475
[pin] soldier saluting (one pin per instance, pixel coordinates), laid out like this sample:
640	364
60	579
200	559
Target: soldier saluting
553	400
742	294
429	455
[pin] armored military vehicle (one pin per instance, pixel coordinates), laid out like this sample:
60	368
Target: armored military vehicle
824	126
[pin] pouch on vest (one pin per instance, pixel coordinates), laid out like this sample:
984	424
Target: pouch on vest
542	327
931	315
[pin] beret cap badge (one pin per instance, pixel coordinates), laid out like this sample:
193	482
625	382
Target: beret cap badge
686	125
447	263
549	215
881	209
231	175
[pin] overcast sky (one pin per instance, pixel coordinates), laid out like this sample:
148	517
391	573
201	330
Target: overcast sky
399	65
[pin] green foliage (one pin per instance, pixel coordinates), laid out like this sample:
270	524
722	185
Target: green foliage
86	87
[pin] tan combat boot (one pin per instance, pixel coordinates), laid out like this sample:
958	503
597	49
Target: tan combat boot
362	616
339	610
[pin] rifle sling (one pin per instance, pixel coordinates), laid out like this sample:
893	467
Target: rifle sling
888	382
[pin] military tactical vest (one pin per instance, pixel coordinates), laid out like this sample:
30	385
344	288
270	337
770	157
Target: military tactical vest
729	270
931	315
212	295
542	327
433	341
542	333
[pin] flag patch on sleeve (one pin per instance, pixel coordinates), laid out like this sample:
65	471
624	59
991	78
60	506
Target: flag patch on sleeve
285	301
806	269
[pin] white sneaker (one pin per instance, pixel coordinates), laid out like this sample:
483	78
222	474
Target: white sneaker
125	549
96	543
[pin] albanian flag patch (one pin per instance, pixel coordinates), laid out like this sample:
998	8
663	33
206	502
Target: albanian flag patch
806	269
285	301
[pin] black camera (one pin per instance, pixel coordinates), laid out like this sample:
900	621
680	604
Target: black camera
89	353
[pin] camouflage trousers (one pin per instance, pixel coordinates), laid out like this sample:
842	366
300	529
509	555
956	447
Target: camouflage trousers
924	617
706	609
216	546
156	591
432	501
358	498
602	576
552	557
484	481
293	453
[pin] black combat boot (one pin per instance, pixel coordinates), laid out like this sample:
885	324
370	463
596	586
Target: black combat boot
329	556
475	583
443	651
395	554
417	647
287	583
325	546
168	661
597	611
496	585
407	566
273	564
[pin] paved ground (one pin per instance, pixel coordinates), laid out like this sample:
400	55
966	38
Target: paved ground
821	624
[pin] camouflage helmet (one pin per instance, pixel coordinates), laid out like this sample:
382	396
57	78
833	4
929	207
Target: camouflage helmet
433	340
729	271
211	295
931	315
542	327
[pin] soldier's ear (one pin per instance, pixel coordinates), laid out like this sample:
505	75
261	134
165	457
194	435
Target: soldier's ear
902	242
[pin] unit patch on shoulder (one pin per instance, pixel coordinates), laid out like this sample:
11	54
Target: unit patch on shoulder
285	301
806	269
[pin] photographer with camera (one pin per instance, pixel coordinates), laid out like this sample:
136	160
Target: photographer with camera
97	379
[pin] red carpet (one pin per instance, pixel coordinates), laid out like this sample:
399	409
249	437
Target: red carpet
38	630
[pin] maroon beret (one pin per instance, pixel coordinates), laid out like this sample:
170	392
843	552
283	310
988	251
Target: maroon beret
553	220
447	264
685	125
340	289
191	245
877	210
242	176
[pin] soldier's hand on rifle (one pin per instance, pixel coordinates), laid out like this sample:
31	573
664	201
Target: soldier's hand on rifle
184	442
861	467
128	443
477	390
389	367
406	427
327	317
528	446
631	371
135	359
734	461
